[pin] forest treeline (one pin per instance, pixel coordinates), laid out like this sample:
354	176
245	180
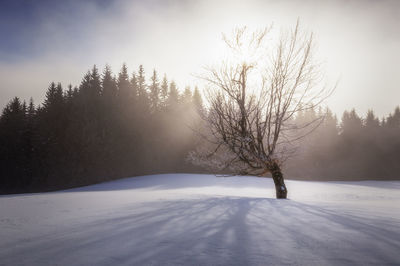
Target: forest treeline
109	127
354	148
125	125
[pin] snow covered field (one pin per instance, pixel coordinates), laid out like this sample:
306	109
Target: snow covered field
185	219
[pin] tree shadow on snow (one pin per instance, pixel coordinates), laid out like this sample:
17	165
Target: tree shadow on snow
216	231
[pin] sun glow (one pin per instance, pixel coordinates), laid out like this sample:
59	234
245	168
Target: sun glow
179	39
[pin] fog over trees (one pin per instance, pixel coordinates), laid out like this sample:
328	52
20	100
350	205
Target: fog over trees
352	148
116	126
109	127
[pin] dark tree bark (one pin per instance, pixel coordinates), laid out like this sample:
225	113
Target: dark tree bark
277	176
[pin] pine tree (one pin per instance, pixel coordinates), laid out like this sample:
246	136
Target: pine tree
31	109
109	84
154	92
14	110
69	94
54	96
141	82
30	140
124	86
197	100
173	96
371	122
84	87
12	146
134	85
393	120
95	83
164	90
186	97
351	123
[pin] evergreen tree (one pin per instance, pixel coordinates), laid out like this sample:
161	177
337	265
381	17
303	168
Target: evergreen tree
164	90
108	84
173	96
393	120
95	83
197	100
84	87
134	85
13	170
141	86
371	122
124	86
186	97
31	109
52	122
69	94
54	96
154	92
351	123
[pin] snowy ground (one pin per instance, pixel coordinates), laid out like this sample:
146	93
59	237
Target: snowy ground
181	219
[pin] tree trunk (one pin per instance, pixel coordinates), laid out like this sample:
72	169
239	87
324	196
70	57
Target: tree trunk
280	187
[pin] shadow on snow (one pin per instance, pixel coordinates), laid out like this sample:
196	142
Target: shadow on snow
217	231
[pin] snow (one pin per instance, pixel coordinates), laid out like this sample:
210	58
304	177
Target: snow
188	219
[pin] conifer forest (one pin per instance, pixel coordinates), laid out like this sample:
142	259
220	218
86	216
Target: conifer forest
113	126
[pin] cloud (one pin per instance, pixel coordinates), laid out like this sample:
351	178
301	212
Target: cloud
358	40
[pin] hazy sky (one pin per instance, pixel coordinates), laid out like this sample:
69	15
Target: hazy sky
43	41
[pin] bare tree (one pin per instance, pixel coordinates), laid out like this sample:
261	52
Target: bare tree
253	98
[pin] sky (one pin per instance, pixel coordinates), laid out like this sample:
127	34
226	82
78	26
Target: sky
43	41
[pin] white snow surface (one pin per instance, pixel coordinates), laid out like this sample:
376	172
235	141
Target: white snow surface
191	219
